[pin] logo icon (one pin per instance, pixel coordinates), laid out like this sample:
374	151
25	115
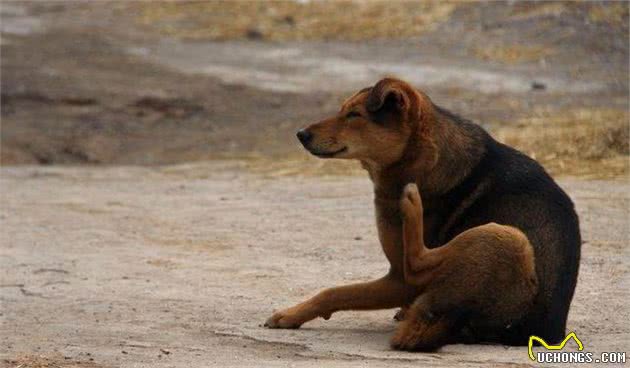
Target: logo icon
560	346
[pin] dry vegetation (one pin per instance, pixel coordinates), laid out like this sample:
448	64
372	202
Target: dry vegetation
303	165
582	142
293	20
531	9
344	20
512	54
51	361
613	13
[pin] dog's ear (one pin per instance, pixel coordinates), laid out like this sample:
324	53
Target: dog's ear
387	95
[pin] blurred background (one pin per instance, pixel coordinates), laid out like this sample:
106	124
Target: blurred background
152	83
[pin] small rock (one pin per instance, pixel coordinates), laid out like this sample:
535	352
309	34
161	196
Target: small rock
289	20
538	86
254	34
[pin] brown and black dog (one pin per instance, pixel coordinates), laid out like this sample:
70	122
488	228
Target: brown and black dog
483	244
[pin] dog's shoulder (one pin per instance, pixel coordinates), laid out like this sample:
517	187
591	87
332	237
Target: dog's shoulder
503	177
516	173
506	169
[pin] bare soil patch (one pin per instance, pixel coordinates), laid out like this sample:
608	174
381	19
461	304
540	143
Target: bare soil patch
124	264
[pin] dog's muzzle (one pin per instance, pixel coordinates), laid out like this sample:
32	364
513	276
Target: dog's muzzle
306	138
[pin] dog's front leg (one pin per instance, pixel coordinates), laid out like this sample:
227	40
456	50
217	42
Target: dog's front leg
386	292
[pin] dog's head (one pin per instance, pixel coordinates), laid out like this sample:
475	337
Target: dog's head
374	125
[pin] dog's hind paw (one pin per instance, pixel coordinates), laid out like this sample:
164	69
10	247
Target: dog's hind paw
410	203
411	192
421	331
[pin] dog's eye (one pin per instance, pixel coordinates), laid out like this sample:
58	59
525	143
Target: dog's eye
353	114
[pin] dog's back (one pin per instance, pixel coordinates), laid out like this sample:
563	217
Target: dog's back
510	188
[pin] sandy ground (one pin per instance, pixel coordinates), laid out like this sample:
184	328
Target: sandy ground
180	265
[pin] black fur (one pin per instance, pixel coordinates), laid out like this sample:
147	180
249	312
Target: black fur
509	188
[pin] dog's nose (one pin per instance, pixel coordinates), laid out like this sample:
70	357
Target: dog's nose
304	136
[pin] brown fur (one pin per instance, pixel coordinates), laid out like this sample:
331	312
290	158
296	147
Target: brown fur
484	278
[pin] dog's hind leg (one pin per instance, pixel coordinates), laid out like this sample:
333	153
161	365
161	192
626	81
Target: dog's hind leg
418	261
484	276
422	330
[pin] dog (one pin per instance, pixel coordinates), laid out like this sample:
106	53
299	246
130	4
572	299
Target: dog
483	245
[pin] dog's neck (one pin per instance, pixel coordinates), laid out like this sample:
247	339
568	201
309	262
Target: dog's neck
436	161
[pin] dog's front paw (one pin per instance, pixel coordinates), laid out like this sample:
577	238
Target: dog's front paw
284	319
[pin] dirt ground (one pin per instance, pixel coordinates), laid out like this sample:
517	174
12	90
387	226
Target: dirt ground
181	265
155	207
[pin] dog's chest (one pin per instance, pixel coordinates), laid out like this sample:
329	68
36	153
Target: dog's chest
432	224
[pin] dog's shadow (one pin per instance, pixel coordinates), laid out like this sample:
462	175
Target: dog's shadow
351	332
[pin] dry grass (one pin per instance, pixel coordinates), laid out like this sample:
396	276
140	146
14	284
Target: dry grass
512	54
53	361
342	20
292	20
303	165
611	12
615	13
591	143
533	9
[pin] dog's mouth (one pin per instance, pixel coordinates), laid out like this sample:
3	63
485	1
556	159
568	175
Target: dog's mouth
328	154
